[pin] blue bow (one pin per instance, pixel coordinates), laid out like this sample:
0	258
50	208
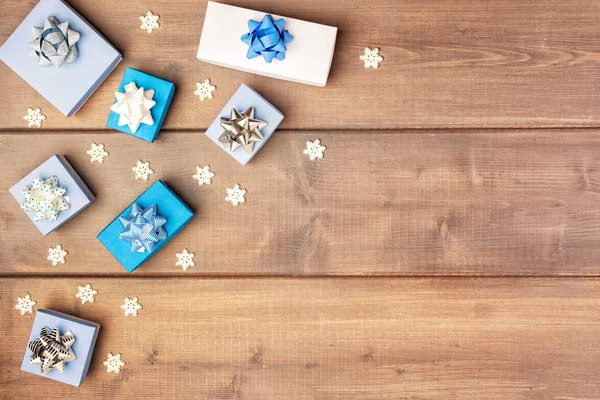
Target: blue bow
143	228
267	38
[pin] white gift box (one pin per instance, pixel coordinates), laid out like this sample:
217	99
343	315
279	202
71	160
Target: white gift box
307	59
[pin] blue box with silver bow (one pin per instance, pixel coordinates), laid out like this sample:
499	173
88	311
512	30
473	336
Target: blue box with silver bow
52	194
149	223
244	124
58	53
60	347
141	105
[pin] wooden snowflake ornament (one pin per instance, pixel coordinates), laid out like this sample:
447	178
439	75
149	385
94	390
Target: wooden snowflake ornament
185	259
149	22
203	175
314	150
204	90
236	195
86	293
97	153
371	58
34	118
131	306
114	363
56	255
25	304
142	170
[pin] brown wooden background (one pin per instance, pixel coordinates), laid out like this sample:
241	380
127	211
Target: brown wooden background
445	247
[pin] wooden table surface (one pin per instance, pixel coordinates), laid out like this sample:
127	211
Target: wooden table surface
446	247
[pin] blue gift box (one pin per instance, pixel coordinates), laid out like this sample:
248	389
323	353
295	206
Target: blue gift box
242	99
169	206
163	94
85	333
79	194
69	86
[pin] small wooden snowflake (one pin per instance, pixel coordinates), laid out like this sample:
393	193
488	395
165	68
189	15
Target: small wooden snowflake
97	153
371	58
236	195
131	306
56	255
86	293
204	90
34	118
25	304
142	170
314	149
185	259
114	363
149	22
203	175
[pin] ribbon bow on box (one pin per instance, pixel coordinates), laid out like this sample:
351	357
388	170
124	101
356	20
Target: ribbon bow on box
45	198
241	130
54	43
52	351
143	228
267	38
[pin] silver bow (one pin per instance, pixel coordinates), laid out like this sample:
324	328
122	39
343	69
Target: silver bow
54	43
52	351
241	130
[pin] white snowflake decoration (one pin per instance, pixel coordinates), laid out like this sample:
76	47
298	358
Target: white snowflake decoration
185	259
236	195
131	306
204	90
114	363
142	170
34	117
371	57
203	175
86	293
97	153
314	149
149	22
25	304
56	255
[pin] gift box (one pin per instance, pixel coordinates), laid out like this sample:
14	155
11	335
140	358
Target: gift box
279	47
87	58
78	194
80	347
133	237
229	133
155	102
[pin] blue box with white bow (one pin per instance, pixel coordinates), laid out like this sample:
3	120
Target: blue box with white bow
52	194
144	227
60	347
58	53
141	105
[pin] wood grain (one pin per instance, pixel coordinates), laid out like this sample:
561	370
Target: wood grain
465	63
473	203
324	338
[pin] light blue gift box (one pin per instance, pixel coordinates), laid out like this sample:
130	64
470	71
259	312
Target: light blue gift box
79	194
242	99
163	94
169	205
69	86
85	333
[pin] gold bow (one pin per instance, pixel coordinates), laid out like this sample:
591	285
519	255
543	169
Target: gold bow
241	129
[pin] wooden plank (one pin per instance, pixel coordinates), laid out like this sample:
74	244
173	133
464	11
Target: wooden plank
464	63
473	203
323	338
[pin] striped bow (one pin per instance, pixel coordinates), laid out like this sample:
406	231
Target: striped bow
52	351
143	228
